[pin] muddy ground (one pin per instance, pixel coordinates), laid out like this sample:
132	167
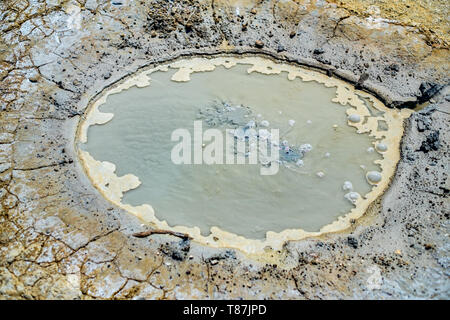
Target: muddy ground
59	238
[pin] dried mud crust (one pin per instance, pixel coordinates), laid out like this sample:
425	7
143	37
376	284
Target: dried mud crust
60	239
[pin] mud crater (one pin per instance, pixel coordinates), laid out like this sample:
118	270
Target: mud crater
223	222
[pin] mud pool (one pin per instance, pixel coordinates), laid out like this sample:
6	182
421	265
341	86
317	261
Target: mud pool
326	168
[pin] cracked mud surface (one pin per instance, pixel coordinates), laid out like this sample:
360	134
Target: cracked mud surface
60	239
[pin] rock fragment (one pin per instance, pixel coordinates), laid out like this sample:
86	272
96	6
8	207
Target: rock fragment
352	242
431	143
259	44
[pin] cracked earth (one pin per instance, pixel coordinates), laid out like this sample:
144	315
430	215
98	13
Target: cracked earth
60	239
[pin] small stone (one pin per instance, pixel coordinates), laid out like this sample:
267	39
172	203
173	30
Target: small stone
292	34
431	143
291	123
352	242
327	155
370	150
153	34
318	51
34	78
259	44
214	262
188	27
320	174
253	11
299	163
394	67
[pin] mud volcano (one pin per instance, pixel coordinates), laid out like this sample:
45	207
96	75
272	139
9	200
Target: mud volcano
336	150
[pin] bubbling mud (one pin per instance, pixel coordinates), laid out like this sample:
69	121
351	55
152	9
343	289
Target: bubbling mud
335	158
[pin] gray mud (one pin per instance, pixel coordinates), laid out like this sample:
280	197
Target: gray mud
59	238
